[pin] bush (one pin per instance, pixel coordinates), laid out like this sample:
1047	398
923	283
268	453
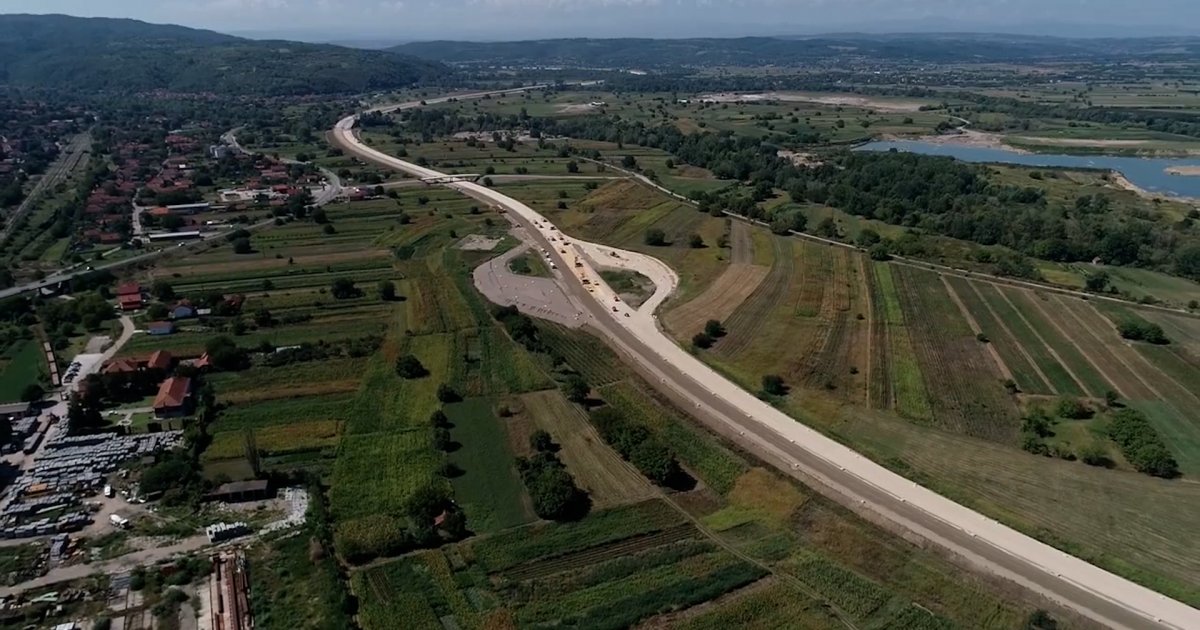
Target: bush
409	367
713	328
695	241
1140	330
1073	409
1141	444
551	488
702	340
447	394
656	237
773	385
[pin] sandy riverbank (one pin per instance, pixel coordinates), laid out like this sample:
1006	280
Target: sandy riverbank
1193	171
964	137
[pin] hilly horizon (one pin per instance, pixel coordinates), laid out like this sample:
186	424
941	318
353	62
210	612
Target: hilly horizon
786	50
107	54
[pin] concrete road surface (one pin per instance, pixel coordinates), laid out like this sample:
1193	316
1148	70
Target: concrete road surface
805	453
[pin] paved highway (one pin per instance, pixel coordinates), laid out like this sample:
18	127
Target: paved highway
836	469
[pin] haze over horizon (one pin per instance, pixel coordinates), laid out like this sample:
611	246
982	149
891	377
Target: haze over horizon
410	20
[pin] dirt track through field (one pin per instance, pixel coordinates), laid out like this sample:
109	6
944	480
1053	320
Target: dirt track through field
741	243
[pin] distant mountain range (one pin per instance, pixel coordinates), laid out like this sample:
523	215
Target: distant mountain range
100	54
784	51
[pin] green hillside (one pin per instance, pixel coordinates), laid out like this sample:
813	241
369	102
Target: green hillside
99	54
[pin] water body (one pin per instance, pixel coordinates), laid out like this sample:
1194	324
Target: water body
1147	173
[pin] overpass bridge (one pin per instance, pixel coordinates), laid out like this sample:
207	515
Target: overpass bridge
446	179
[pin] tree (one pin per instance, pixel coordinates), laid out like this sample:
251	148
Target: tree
32	393
655	237
242	246
1040	620
225	354
773	385
695	241
629	162
162	290
540	440
1097	282
343	289
714	329
319	216
157	311
572	167
448	394
263	318
387	290
702	340
409	367
439	419
576	389
655	461
1110	398
441	439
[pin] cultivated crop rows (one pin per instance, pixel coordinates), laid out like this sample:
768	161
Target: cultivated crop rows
966	392
879	375
746	323
595	555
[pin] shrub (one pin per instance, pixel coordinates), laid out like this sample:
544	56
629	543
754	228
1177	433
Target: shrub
1140	330
702	340
409	367
1141	445
1073	409
773	385
655	237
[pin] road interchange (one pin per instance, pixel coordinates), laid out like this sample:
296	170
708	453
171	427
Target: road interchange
849	477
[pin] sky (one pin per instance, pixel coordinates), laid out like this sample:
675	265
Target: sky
408	20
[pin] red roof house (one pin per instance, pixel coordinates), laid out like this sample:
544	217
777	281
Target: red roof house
130	302
174	397
159	360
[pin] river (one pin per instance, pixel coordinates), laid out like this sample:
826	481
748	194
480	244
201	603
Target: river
1146	173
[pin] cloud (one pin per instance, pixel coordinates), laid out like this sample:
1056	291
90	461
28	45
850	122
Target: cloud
392	6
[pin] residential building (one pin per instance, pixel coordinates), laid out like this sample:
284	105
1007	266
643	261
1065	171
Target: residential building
174	398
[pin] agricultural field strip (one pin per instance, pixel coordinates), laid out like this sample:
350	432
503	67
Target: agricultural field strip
910	387
879	391
1099	588
722	298
743	325
1142	388
1037	336
1046	316
1016	341
550	565
1168	381
975	328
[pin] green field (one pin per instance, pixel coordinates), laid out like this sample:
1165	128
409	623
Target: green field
489	488
23	364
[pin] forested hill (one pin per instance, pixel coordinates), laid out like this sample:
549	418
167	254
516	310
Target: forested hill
99	54
759	51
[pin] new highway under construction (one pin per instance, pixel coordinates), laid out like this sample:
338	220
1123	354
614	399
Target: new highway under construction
823	463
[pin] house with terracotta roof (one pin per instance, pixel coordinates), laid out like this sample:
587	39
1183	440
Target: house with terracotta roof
129	296
174	398
157	360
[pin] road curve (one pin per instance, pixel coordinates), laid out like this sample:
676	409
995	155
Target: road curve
803	452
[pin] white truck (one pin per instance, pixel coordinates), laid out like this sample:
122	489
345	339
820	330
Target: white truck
118	521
